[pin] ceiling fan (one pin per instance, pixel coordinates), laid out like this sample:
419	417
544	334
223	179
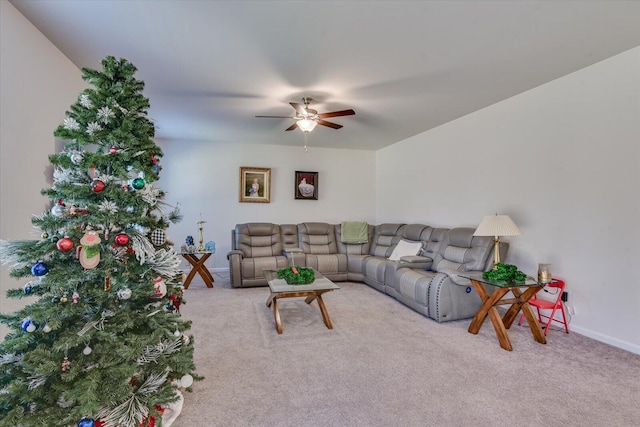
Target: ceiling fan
307	118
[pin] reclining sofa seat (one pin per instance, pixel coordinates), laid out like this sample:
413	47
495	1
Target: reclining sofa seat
258	246
319	244
441	293
379	270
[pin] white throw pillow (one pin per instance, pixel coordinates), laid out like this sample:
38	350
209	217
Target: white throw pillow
404	248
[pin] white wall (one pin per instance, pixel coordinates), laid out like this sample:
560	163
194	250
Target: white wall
203	177
38	84
563	160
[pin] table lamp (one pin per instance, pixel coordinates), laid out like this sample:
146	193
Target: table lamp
496	226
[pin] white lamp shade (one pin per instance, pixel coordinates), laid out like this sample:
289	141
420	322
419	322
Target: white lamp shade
497	225
307	125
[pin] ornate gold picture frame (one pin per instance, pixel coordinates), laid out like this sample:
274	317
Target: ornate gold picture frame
255	184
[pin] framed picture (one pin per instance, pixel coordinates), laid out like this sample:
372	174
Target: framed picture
306	185
255	184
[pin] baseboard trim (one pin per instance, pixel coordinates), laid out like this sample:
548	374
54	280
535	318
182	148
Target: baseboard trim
625	345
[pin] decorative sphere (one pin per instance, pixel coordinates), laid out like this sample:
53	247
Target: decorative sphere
87	422
44	235
113	150
29	325
87	351
186	380
121	239
76	158
39	269
65	244
27	288
46	329
138	183
57	210
124	293
97	185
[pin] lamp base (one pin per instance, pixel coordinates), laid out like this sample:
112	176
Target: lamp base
496	252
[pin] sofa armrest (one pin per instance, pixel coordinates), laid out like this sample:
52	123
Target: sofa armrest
456	276
235	258
235	252
295	256
416	261
287	251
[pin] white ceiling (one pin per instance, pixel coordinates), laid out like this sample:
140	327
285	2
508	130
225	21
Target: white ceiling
403	66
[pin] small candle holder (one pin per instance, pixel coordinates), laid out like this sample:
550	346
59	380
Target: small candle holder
544	273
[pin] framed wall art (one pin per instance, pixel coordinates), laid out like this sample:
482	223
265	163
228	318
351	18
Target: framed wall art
255	184
306	185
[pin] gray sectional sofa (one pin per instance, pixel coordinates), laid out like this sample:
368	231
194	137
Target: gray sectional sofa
429	282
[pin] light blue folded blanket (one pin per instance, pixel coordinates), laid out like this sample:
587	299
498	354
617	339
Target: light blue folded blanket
354	232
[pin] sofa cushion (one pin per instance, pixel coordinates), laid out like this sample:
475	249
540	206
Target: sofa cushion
258	239
405	248
461	251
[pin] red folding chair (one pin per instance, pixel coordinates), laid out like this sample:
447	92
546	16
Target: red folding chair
543	304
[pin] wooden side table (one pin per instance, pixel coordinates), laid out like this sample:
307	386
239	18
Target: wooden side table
197	259
520	302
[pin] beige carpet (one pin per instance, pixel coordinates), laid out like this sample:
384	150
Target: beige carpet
385	365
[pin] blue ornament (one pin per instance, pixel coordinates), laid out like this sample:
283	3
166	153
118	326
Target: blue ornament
39	269
29	325
189	241
86	422
27	288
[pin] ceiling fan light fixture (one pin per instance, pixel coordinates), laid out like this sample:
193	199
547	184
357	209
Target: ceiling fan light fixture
307	125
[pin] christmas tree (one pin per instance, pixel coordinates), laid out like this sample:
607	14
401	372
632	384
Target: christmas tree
104	343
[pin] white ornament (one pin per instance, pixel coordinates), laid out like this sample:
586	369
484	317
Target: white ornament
76	157
186	380
31	327
71	124
108	206
185	339
124	293
87	351
176	333
93	127
161	287
85	101
46	329
57	211
105	114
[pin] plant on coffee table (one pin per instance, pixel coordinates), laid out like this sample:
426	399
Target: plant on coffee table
297	275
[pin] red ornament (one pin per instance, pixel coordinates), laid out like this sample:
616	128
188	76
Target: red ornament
97	185
113	150
65	244
121	239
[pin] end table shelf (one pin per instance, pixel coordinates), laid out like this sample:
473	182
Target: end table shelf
197	259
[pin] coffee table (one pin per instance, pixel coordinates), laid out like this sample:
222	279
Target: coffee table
519	302
313	291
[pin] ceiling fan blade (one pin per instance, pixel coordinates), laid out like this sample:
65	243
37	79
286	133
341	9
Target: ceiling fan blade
299	108
278	117
329	124
337	114
293	126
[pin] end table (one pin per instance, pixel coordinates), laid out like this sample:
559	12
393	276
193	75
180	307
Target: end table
519	302
197	259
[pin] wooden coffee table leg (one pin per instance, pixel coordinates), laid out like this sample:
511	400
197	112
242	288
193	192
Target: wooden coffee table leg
325	313
276	315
